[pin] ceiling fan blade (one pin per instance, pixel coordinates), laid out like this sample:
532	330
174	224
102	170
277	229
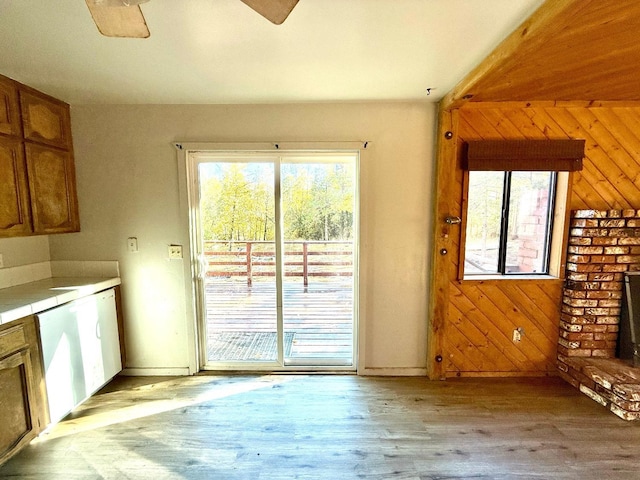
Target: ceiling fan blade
276	11
127	22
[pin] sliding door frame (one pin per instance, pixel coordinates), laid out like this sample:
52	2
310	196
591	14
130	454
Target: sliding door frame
191	155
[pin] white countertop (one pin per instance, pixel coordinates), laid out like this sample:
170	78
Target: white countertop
35	297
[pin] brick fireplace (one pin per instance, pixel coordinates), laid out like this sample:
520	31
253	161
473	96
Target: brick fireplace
603	245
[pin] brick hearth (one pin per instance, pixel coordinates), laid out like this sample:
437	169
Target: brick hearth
603	244
611	382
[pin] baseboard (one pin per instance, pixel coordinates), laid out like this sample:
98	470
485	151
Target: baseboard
551	373
156	372
382	372
394	372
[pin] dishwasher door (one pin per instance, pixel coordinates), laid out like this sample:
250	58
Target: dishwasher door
80	349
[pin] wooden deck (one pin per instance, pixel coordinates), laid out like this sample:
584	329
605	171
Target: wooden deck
318	320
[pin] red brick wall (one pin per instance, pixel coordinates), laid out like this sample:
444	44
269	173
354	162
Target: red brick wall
603	244
532	231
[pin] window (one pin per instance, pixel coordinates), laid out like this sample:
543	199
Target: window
509	222
515	205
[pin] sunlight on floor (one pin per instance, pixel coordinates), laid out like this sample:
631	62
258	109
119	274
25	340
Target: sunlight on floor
181	399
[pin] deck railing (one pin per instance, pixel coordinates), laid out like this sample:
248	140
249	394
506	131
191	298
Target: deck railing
257	259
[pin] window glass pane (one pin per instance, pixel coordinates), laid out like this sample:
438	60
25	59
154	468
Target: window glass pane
528	229
484	217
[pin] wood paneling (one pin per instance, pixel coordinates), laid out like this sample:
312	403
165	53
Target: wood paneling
485	314
568	50
438	302
611	169
481	316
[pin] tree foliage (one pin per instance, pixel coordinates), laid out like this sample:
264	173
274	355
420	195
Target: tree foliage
237	201
527	208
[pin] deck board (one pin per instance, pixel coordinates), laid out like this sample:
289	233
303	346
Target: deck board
319	315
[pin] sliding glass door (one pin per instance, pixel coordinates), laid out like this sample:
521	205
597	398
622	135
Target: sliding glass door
277	244
318	230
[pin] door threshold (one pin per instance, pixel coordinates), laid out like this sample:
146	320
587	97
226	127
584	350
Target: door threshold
233	373
219	370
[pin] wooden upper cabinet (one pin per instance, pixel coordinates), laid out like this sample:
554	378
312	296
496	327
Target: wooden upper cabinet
45	119
37	173
9	109
52	187
14	196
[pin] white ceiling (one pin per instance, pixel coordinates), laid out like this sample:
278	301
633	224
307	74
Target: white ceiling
220	51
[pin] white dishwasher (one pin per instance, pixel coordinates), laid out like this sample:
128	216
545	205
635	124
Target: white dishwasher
80	349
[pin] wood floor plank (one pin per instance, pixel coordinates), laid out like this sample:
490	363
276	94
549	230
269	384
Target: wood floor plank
333	427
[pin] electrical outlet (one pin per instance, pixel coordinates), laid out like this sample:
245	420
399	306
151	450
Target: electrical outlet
517	334
175	252
132	244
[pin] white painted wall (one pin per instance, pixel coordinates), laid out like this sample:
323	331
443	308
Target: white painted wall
128	185
24	250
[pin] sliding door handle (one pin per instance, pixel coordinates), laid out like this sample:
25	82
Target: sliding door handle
203	266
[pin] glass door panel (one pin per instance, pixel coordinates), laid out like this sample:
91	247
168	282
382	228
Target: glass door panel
318	284
237	224
277	243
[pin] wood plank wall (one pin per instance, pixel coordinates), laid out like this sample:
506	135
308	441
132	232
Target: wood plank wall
483	314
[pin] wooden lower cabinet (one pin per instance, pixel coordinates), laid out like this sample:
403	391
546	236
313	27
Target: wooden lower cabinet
21	386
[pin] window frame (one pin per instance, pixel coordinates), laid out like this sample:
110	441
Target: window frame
504	228
562	156
558	223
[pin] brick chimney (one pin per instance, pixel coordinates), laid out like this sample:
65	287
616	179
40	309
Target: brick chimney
603	245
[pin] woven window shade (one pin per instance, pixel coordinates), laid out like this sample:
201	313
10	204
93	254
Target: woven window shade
525	155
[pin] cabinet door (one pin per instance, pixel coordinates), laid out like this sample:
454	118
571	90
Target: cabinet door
80	350
45	119
19	426
54	204
109	336
97	327
14	199
9	111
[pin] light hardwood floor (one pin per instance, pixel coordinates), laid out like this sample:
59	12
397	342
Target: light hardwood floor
334	427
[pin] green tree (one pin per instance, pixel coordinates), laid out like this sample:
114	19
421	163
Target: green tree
318	201
298	205
237	201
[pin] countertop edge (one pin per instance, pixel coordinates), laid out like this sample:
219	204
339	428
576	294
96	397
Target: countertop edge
50	293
